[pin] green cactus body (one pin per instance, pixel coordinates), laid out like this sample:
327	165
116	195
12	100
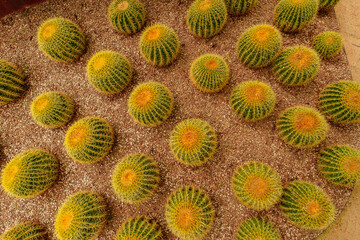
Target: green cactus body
135	178
256	185
52	109
328	44
302	127
30	173
159	45
340	102
253	100
109	72
12	82
340	164
327	4
209	73
189	213
140	228
240	7
206	18
127	16
307	206
257	228
296	66
294	15
61	40
150	104
193	142
259	45
89	140
25	231
82	216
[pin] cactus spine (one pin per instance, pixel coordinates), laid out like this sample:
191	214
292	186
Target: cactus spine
25	231
139	228
328	44
240	7
257	228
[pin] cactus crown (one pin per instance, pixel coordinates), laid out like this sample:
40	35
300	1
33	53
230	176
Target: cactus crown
139	228
240	7
257	229
328	44
327	4
25	231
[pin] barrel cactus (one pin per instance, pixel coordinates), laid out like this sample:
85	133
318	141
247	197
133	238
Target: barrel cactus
240	7
82	216
12	82
257	228
209	73
206	18
193	142
109	72
296	66
328	44
139	228
189	213
127	16
253	100
89	140
259	45
25	231
327	4
340	102
302	127
150	103
159	45
30	173
293	16
61	40
135	178
307	206
52	109
340	164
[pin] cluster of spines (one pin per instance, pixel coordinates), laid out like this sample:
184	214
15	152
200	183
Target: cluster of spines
127	16
150	103
209	73
293	16
257	228
340	102
82	216
253	100
139	228
109	72
159	45
89	139
12	82
240	7
307	206
327	4
189	213
206	18
259	45
296	66
328	44
25	231
61	40
193	142
52	109
30	173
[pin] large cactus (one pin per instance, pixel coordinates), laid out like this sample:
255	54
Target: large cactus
141	228
240	7
25	231
328	44
257	228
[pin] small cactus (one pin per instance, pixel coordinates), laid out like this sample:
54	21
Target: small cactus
307	206
127	16
340	164
340	102
193	142
30	173
109	72
89	140
256	185
82	216
328	44
12	82
150	103
327	4
257	228
253	100
293	16
135	178
206	18
302	127
189	213
25	231
139	228
209	73
259	45
159	45
296	66
61	40
52	109
240	7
